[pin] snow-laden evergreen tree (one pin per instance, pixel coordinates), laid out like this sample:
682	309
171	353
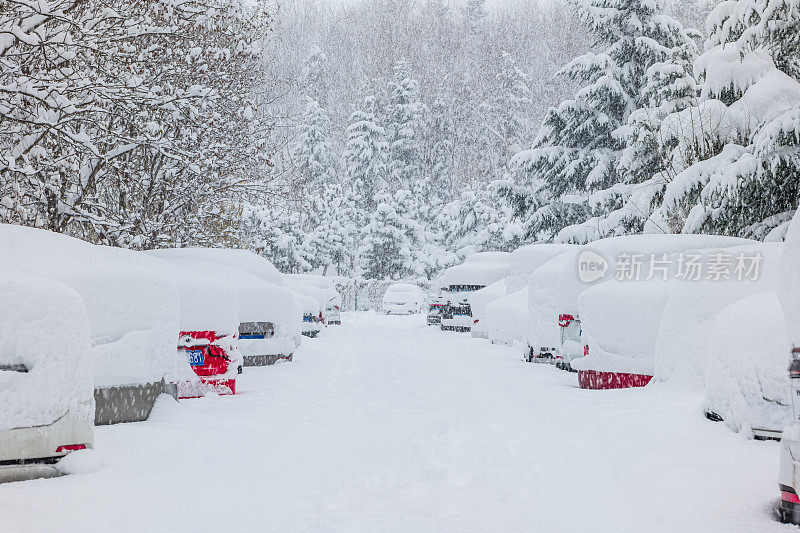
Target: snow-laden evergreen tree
275	234
647	162
315	76
365	155
406	128
471	224
384	244
738	149
578	151
441	149
510	107
314	154
326	241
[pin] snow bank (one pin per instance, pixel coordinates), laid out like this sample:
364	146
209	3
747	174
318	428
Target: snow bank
259	301
555	286
132	309
483	268
746	381
46	329
506	318
685	329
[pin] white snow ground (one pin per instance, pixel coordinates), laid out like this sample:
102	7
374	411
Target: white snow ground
383	424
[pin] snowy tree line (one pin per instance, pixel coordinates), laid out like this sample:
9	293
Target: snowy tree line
132	124
396	131
392	138
659	128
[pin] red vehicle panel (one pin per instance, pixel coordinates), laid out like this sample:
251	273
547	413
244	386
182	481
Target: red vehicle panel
209	361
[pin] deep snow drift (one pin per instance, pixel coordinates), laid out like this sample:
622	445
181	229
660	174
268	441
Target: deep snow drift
384	424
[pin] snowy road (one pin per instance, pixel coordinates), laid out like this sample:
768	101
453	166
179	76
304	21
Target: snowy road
386	425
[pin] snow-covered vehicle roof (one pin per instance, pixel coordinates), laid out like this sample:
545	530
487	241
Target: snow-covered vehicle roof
526	259
44	349
133	309
242	259
312	299
556	286
324	284
483	268
401	287
259	300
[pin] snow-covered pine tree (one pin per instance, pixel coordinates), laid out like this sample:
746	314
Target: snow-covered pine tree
314	155
384	245
441	144
365	155
406	127
578	149
315	76
739	147
510	108
276	234
325	243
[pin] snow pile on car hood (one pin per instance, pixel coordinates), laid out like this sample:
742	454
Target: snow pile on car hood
132	309
483	268
46	330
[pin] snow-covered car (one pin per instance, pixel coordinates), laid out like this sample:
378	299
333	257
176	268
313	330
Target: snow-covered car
476	272
208	327
624	320
478	300
46	389
403	299
457	316
554	333
506	318
133	317
311	302
435	311
789	294
332	300
268	318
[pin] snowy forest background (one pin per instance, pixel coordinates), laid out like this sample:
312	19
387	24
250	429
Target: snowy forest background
391	138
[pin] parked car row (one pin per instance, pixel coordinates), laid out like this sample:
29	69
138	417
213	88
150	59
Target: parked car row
95	334
712	312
